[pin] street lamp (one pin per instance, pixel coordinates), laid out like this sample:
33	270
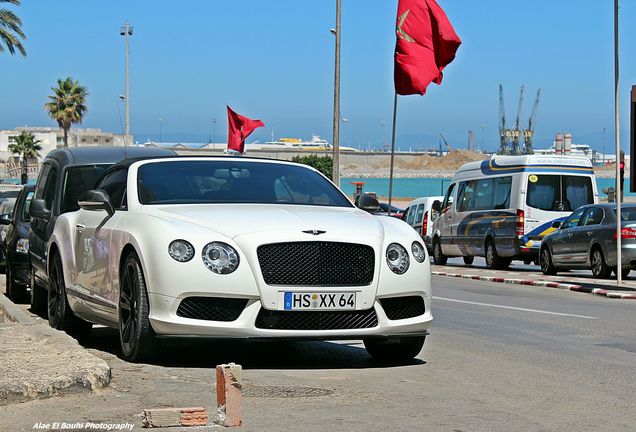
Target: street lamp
126	31
336	101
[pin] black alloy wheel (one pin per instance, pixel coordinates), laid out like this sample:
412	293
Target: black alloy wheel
17	293
60	315
135	333
394	349
38	295
547	266
438	257
600	269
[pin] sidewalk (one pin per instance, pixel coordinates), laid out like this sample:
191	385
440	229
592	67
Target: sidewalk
37	361
578	281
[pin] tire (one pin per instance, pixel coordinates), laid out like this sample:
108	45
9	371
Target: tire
61	317
136	337
545	259
394	349
600	269
438	256
17	293
468	260
39	296
493	260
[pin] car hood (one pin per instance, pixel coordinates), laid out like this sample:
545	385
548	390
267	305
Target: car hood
232	220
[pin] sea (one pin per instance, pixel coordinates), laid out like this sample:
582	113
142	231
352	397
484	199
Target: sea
420	187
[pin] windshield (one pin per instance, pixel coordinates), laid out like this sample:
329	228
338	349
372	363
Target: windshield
231	181
559	192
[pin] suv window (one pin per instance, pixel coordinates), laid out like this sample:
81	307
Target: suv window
78	179
48	194
114	184
44	173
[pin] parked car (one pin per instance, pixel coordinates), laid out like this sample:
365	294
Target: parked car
6	208
65	174
395	211
16	246
236	248
420	215
502	208
587	240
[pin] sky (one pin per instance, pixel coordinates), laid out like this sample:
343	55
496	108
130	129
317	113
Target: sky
274	60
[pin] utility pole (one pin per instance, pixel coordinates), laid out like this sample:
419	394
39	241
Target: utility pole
336	101
213	130
160	129
126	31
617	138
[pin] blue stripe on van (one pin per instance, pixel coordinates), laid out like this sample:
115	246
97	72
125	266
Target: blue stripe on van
490	167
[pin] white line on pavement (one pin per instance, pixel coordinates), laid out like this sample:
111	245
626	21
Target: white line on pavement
515	308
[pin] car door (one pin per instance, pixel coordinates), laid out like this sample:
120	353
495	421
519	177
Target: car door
578	240
93	234
593	231
562	249
41	228
444	222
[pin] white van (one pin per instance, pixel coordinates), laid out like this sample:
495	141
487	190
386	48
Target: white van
501	208
420	215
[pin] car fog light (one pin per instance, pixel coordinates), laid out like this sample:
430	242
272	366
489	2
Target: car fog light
220	258
22	246
397	258
418	251
181	250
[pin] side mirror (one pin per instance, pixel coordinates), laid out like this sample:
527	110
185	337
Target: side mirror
556	224
437	206
5	219
368	204
38	209
95	199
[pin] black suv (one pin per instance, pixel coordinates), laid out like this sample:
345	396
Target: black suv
16	246
65	174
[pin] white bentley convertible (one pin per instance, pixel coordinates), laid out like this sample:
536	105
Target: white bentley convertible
230	247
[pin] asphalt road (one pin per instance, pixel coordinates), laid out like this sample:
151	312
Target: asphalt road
500	358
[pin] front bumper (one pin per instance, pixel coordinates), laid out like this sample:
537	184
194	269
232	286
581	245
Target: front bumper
167	323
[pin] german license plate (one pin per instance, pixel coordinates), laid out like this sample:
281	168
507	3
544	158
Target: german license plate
320	301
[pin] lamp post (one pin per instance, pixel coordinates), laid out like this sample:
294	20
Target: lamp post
482	136
126	31
213	130
160	129
336	101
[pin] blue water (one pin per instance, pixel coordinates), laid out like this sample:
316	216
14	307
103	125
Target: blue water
418	187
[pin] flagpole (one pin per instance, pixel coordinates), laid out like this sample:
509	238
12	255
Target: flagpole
392	152
617	138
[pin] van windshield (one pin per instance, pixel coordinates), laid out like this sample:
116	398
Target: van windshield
559	192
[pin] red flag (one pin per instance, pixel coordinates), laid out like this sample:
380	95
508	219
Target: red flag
238	128
426	43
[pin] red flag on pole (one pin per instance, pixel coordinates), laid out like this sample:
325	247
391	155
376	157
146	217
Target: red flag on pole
238	128
426	43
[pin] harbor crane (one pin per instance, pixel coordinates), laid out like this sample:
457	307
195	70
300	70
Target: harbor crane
510	137
448	146
529	133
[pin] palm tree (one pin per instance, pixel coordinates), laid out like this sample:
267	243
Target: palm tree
26	145
10	29
67	105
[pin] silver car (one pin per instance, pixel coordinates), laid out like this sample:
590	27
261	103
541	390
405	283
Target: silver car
587	239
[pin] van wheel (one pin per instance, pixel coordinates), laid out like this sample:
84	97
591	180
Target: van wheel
468	260
547	267
438	257
493	260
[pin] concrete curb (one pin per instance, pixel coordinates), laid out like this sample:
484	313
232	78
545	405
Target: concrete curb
548	284
38	362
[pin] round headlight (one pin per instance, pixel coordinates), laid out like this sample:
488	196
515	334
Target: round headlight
220	258
418	251
181	250
397	258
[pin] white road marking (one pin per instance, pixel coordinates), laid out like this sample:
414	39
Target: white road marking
515	308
